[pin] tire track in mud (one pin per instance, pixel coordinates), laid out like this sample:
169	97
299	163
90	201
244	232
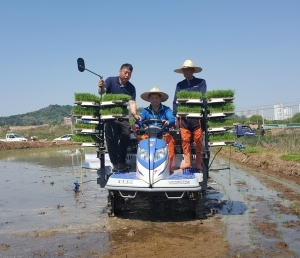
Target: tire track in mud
155	228
263	225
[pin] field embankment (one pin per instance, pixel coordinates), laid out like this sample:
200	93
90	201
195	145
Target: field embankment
42	132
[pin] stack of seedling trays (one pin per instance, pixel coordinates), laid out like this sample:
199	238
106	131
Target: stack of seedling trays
87	112
220	112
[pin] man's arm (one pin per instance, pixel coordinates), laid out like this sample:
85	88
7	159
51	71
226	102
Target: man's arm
133	110
175	100
170	118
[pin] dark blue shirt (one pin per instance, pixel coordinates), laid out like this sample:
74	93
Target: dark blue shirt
196	84
113	86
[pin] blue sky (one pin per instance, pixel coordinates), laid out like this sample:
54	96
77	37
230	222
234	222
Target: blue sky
252	47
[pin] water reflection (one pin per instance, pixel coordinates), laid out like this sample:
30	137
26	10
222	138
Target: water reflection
51	158
40	215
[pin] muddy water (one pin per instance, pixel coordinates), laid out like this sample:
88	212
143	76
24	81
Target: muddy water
253	220
41	216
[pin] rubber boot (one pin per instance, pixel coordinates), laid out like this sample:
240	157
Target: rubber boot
187	161
171	165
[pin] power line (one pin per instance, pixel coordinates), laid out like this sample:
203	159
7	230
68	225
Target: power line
263	108
270	105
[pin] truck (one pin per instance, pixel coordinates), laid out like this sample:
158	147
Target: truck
13	137
243	130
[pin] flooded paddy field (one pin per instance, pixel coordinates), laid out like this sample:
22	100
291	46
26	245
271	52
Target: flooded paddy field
248	213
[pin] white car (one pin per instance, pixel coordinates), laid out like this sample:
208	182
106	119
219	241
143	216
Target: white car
66	137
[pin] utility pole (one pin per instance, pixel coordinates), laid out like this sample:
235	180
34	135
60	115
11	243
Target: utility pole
262	114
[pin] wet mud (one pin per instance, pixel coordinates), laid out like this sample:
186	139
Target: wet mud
248	214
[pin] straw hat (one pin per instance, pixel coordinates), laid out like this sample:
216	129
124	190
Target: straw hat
145	96
188	64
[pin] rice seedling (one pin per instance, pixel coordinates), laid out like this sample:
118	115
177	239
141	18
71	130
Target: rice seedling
224	235
114	110
189	94
85	111
113	97
221	107
87	97
217	122
277	217
84	138
189	108
218	137
219	94
85	126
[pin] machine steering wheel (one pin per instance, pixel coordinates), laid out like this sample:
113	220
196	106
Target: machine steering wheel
150	129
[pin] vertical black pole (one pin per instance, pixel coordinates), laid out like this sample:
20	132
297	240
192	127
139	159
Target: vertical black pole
101	152
101	143
206	147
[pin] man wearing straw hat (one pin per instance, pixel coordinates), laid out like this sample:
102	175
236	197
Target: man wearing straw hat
158	111
190	127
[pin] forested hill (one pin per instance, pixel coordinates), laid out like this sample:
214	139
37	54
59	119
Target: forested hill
53	114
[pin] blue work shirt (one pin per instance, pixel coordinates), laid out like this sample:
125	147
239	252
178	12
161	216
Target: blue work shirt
196	84
113	86
163	113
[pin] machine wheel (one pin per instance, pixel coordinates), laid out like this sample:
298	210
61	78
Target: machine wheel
199	205
114	203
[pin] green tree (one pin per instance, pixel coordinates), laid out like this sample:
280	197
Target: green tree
296	118
256	119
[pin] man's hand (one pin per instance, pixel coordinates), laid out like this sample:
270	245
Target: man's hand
137	117
135	129
101	83
165	123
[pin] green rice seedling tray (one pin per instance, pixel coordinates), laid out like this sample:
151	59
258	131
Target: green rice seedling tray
212	94
83	125
91	131
104	103
200	101
86	117
86	97
90	144
213	115
106	117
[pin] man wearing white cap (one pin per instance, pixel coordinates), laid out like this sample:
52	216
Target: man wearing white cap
190	127
158	111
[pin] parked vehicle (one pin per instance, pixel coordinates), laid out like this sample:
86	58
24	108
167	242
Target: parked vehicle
13	137
243	130
66	137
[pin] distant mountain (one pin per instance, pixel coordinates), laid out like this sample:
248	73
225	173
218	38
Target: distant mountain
53	114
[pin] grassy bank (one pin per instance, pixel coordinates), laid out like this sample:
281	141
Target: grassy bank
48	132
285	145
